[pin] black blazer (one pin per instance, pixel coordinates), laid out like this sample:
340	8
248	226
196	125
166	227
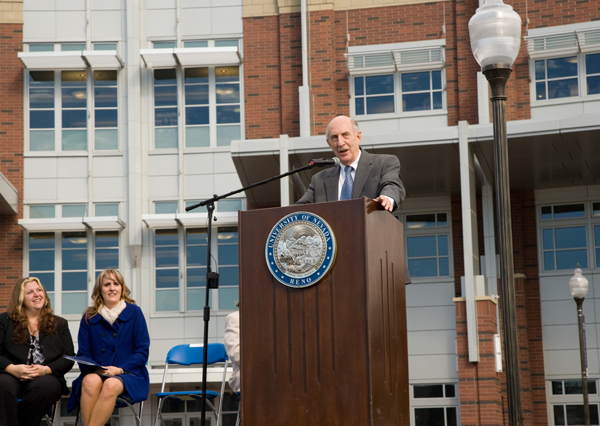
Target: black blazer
53	347
376	174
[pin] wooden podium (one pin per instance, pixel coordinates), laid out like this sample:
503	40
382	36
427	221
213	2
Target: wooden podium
334	353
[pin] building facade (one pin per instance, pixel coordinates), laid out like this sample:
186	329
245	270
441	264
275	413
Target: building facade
116	115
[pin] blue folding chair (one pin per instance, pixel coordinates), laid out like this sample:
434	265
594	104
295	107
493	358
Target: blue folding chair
193	355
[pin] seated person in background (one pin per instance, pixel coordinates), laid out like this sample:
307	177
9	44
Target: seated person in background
232	346
32	344
114	334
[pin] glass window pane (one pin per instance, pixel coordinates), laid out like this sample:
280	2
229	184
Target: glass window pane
73	281
593	85
106	118
568	259
165	117
196	115
573	387
105	78
557	387
450	391
201	43
228	254
228	206
416	102
540	91
379	84
225	134
165	207
559	415
540	70
74	97
106	139
41	47
546	212
436	80
74	303
164	44
196	94
415	81
443	245
437	100
568	211
41	140
73	78
228	93
105	46
41	78
562	67
548	239
380	105
196	137
428	391
42	260
167	300
74	259
421	246
450	416
107	259
41	240
166	76
572	237
549	261
228	114
429	416
74	140
563	88
41	119
41	212
165	138
165	95
167	278
105	97
74	118
359	106
229	276
228	298
420	220
196	277
74	240
167	256
227	74
74	210
196	75
442	219
166	237
40	97
107	209
444	267
196	299
107	239
359	89
592	63
423	267
226	43
71	47
47	279
195	255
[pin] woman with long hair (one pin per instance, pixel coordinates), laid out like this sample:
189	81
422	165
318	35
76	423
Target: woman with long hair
112	333
32	344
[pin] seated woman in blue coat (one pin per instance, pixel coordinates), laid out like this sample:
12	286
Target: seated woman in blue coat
114	334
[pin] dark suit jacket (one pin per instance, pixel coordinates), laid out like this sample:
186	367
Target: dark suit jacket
54	347
376	174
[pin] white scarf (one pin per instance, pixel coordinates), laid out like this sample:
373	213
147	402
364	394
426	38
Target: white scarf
111	315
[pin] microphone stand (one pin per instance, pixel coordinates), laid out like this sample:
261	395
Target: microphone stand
212	278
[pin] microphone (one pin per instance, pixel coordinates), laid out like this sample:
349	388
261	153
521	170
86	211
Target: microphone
322	162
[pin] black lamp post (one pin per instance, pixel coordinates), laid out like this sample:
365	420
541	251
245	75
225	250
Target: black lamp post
495	32
578	284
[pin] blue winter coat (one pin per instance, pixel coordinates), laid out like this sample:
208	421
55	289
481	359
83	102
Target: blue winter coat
124	344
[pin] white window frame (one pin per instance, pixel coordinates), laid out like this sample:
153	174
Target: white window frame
594	399
560	42
444	402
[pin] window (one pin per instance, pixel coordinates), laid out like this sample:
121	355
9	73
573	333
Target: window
60	261
565	61
435	404
564	244
190	245
397	78
567	408
60	108
212	107
427	245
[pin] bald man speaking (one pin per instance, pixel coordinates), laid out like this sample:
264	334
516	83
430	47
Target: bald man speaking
360	174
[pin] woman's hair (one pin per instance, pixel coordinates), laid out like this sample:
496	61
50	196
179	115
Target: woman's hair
97	292
46	321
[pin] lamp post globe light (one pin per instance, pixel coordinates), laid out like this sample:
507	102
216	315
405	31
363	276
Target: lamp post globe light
578	284
495	32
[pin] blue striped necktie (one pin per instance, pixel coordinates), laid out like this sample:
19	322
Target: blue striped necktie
346	193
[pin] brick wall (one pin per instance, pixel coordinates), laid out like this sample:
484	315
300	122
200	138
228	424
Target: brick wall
11	154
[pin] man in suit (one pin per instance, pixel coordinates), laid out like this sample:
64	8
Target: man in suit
360	174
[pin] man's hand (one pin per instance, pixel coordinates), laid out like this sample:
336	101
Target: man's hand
386	202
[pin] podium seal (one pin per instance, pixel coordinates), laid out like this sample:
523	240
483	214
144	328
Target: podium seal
300	249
